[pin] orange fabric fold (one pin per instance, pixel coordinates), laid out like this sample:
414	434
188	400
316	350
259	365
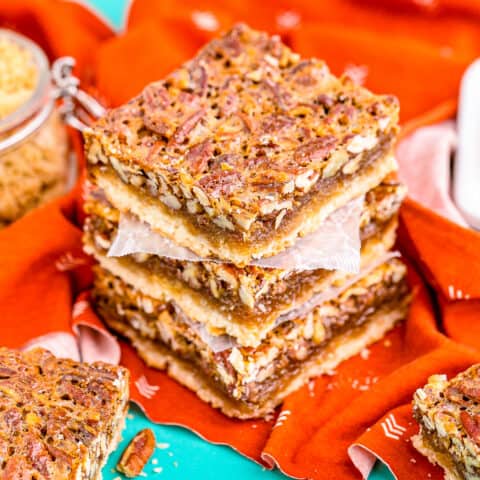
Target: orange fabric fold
61	28
416	53
415	50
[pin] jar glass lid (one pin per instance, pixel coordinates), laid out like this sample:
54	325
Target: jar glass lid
41	93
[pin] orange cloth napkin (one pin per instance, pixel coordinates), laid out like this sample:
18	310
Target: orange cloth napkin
334	426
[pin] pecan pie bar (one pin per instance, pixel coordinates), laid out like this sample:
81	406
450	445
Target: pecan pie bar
250	382
59	419
243	149
243	301
448	413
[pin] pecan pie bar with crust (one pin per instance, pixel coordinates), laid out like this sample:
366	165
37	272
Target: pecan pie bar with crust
59	419
239	301
243	149
448	412
243	381
234	156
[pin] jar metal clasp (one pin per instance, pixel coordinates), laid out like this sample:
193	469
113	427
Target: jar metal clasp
72	97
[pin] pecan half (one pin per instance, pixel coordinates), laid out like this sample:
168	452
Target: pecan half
198	77
218	183
156	96
137	453
470	389
187	126
229	104
156	100
283	97
472	425
6	372
276	122
198	156
315	150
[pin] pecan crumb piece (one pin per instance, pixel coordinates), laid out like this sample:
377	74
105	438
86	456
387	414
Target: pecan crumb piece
137	453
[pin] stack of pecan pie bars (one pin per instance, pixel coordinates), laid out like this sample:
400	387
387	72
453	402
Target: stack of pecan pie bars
236	156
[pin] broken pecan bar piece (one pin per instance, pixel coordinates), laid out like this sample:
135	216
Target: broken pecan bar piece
59	419
248	382
448	413
244	148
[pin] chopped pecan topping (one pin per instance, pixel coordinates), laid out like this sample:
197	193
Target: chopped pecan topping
343	113
305	73
155	96
38	455
137	453
300	66
232	43
13	419
6	372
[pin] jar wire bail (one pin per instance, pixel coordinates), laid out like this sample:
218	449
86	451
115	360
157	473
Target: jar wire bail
71	96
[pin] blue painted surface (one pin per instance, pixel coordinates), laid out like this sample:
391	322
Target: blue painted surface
180	454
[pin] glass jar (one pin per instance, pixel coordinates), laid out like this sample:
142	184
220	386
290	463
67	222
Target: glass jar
34	146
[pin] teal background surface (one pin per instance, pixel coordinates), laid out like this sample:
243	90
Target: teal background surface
180	454
113	11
